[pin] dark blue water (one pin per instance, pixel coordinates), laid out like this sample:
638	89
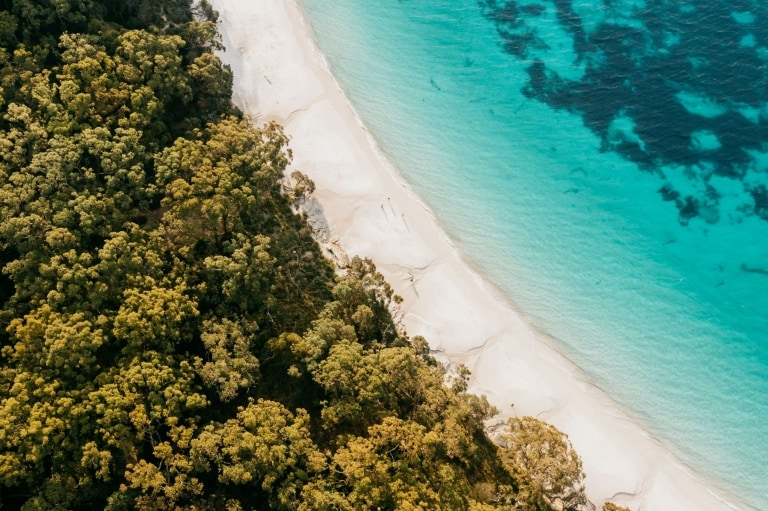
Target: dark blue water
605	164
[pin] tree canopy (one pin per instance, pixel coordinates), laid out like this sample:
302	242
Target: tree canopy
171	336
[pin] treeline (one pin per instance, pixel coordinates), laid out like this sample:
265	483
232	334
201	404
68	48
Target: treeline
171	335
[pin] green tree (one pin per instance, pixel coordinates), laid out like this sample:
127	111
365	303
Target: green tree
221	181
265	448
542	460
610	506
229	365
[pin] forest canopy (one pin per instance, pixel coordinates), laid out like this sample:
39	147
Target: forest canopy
171	335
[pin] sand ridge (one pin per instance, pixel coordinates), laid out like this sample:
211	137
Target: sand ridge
363	207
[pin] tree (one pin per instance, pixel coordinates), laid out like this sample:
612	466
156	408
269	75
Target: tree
230	365
298	187
401	464
155	317
545	465
265	448
610	506
220	182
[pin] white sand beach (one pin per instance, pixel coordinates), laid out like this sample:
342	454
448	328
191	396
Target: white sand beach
368	210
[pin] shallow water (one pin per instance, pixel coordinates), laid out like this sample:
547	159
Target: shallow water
605	164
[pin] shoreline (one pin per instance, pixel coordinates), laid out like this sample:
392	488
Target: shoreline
369	210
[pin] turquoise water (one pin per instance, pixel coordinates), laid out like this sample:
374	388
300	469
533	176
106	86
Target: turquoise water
619	202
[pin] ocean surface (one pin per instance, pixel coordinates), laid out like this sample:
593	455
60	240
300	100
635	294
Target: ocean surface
605	163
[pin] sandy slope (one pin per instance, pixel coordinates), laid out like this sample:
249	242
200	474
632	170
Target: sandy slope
365	207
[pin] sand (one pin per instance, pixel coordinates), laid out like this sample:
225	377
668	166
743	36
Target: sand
363	207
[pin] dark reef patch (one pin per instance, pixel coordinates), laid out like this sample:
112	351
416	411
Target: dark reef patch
668	193
760	196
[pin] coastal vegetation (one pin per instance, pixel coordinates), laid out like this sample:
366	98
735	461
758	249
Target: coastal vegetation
172	335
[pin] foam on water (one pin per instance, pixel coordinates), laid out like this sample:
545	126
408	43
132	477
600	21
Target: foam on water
660	300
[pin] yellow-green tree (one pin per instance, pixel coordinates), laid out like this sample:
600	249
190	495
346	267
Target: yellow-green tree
610	506
545	465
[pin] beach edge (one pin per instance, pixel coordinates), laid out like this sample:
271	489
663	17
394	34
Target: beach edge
363	207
